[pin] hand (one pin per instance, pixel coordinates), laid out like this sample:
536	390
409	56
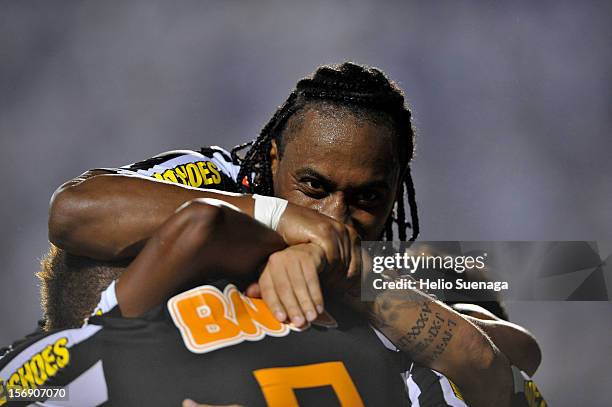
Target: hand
289	284
191	403
346	288
340	242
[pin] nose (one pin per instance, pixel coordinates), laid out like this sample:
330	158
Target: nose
336	207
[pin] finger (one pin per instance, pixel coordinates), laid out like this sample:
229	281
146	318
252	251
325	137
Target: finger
268	293
345	248
329	242
355	248
345	241
311	276
367	263
284	291
254	291
300	288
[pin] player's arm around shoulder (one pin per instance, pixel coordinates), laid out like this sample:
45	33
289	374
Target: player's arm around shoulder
108	214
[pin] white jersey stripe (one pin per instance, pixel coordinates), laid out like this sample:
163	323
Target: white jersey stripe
87	390
108	300
388	344
449	395
413	389
74	336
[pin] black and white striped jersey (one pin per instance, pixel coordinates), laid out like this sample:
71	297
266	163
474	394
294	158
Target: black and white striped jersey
215	345
209	168
223	350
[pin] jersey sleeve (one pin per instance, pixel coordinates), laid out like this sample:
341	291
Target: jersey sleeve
209	168
108	300
428	388
50	359
526	393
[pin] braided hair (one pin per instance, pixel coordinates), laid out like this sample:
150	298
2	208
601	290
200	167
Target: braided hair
352	86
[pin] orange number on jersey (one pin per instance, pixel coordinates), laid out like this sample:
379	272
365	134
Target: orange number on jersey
277	384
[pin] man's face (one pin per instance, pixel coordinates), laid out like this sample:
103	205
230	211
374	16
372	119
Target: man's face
342	167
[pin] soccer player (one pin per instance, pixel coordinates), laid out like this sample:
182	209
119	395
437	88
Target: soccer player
325	115
215	344
348	114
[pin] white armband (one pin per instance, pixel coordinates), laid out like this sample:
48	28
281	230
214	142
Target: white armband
268	210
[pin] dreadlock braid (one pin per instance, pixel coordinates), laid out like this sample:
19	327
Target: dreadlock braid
355	87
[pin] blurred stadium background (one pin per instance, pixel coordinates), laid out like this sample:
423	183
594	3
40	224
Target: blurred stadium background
512	102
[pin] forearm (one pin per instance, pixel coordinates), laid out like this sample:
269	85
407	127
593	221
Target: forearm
200	241
109	216
514	341
438	337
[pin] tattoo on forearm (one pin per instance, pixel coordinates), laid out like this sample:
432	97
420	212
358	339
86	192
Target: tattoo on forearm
430	335
416	330
446	338
434	329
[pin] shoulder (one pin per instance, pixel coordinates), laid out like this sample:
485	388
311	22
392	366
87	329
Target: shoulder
45	353
426	387
210	167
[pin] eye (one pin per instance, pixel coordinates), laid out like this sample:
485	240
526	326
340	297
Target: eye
368	198
314	183
313	187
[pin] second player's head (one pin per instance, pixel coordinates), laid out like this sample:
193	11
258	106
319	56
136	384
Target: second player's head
340	144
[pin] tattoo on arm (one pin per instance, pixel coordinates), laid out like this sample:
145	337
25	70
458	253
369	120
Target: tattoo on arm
427	338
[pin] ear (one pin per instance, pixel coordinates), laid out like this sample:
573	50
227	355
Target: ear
274	157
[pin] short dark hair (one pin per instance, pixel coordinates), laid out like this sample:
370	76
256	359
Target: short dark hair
352	86
70	287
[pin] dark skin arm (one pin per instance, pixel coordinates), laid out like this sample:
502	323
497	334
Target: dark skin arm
517	343
109	216
198	242
195	243
438	337
87	212
433	334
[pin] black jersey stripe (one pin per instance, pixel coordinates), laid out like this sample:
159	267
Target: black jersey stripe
432	394
152	162
209	151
